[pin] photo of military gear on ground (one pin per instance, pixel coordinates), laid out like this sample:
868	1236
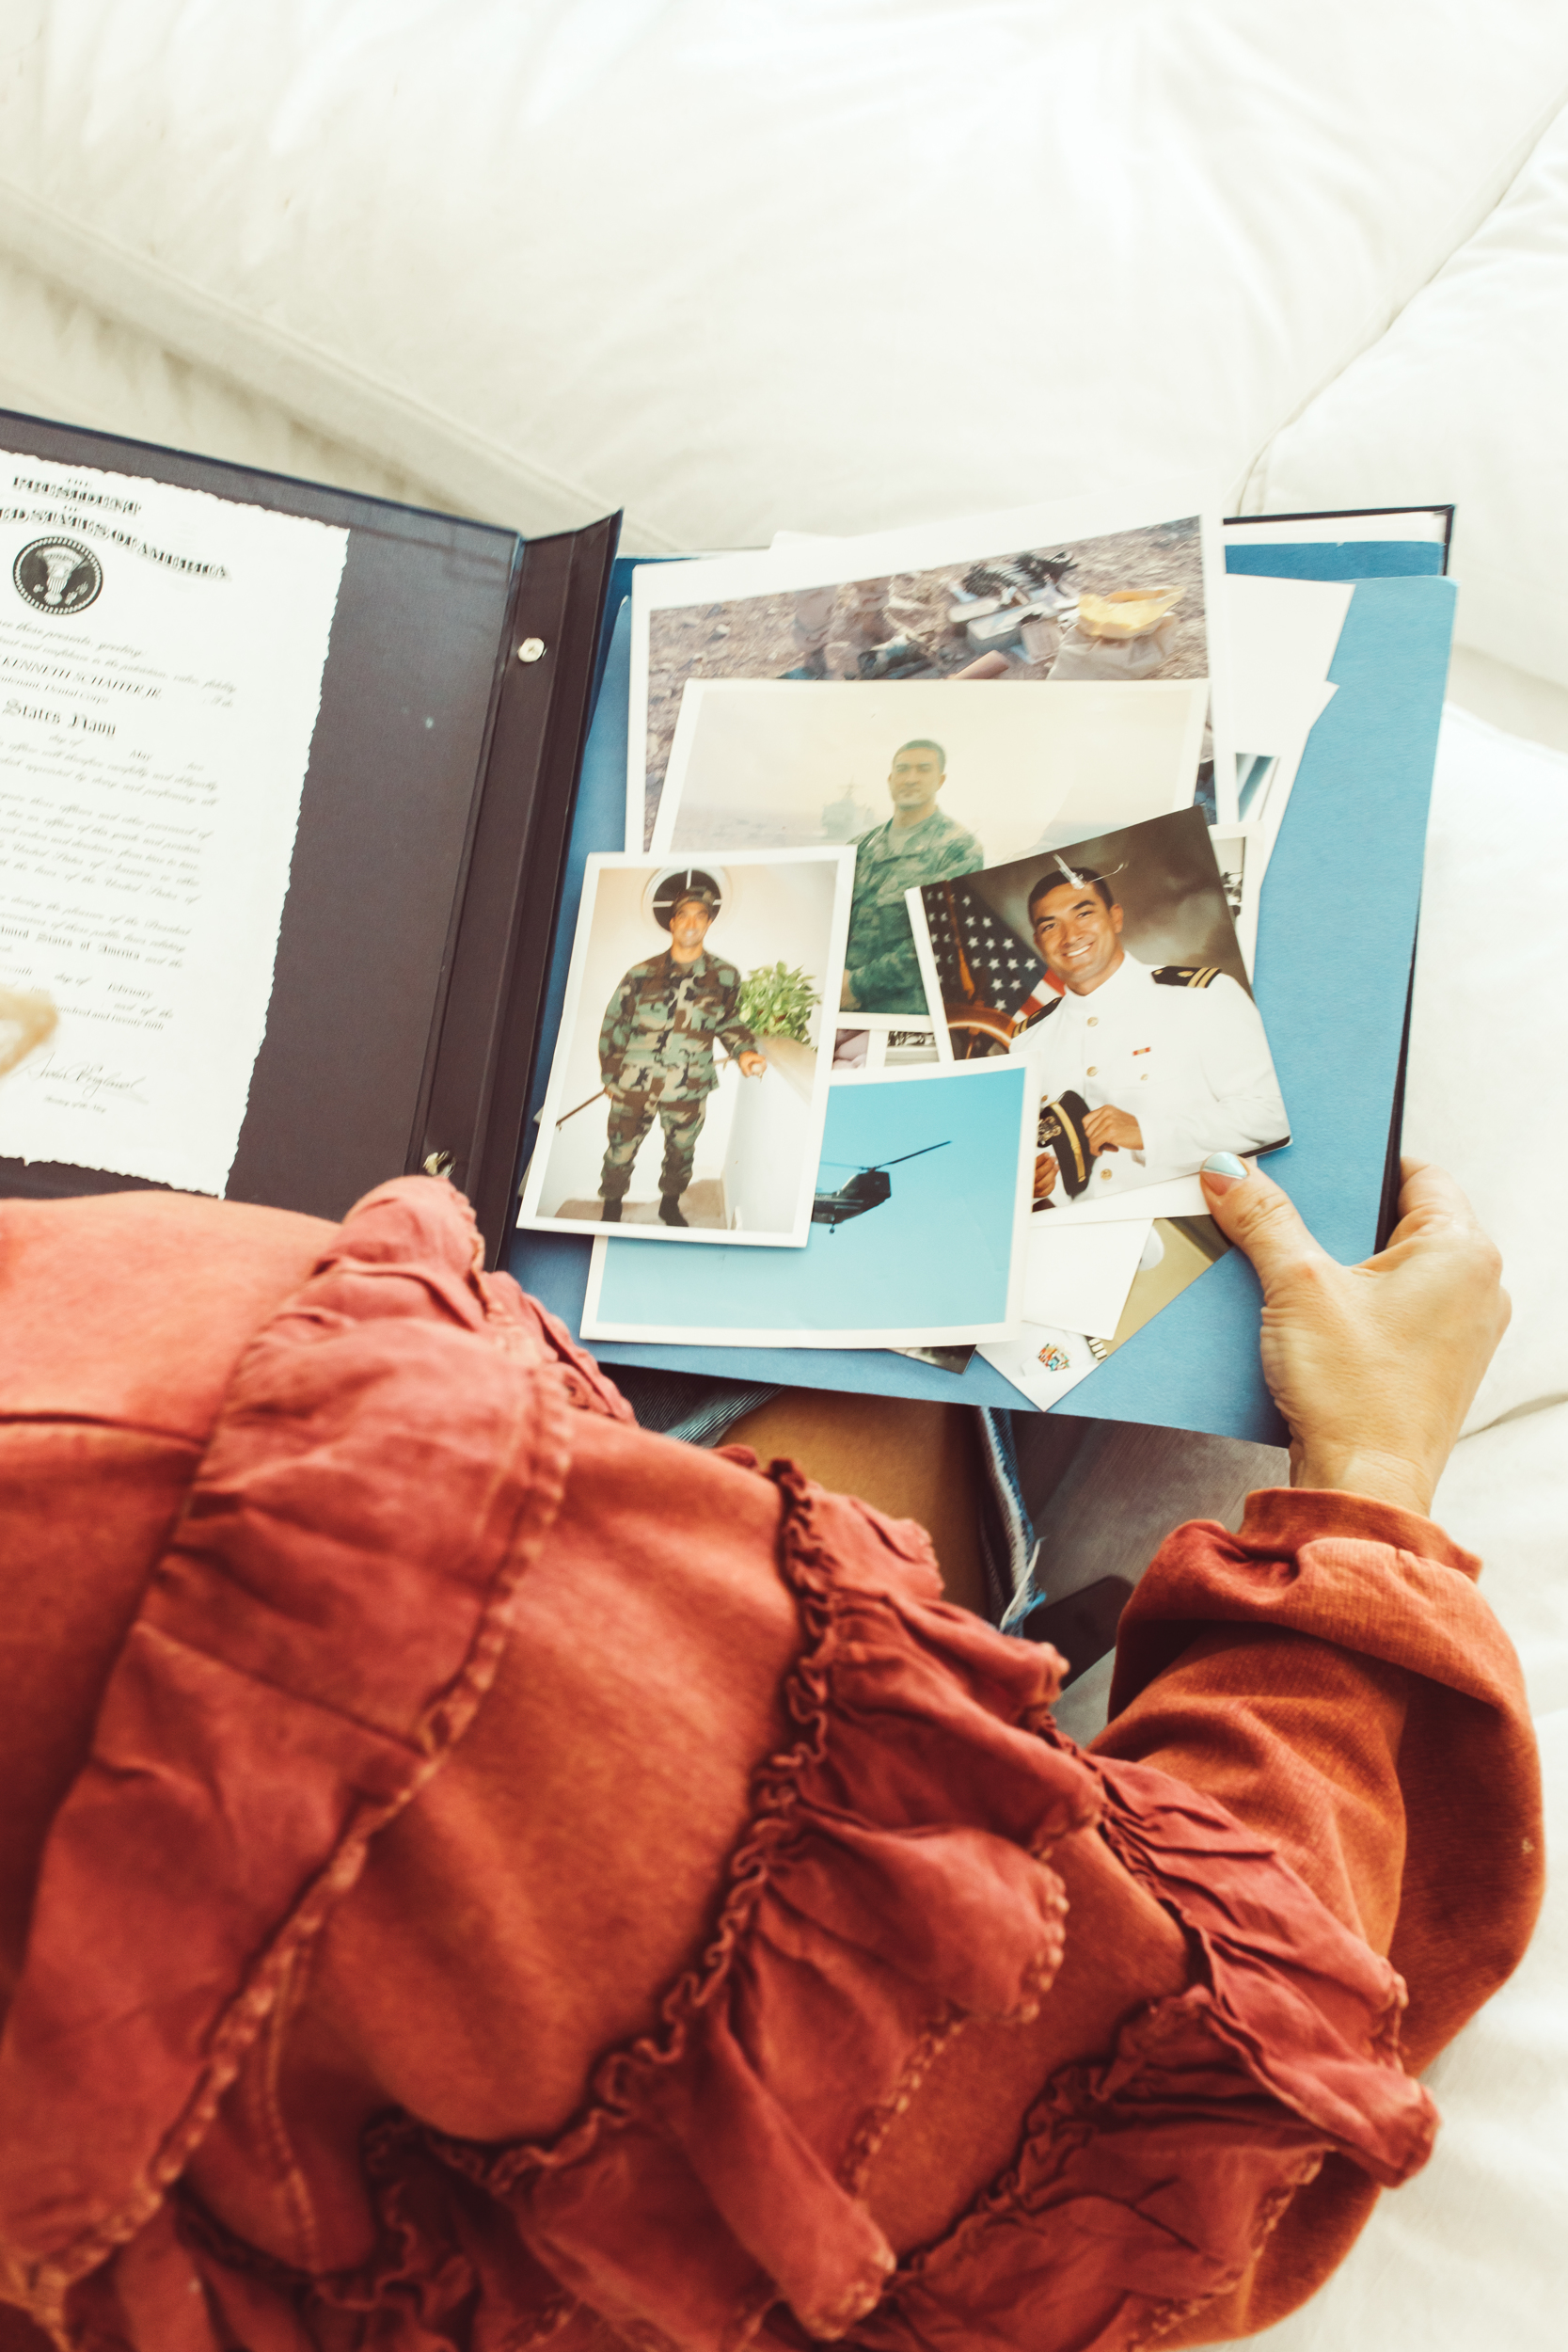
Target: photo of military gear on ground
1117	607
924	782
1113	967
688	1094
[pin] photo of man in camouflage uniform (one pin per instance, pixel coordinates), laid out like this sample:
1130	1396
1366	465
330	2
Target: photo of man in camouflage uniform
917	844
655	1048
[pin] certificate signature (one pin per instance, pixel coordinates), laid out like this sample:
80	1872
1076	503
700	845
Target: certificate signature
85	1085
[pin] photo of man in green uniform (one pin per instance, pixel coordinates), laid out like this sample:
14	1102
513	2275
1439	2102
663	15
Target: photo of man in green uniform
917	844
655	1047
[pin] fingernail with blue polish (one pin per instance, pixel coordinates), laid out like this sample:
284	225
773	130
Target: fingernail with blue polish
1225	1163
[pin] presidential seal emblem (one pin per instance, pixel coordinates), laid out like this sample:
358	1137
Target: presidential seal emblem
58	576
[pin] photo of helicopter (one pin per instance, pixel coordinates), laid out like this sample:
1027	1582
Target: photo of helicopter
867	1188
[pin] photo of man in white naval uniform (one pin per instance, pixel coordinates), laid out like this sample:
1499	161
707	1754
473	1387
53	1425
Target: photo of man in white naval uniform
1171	1060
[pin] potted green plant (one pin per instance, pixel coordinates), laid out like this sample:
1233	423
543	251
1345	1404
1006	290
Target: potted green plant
777	1002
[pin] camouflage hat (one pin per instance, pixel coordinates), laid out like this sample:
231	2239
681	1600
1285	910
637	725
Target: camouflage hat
691	882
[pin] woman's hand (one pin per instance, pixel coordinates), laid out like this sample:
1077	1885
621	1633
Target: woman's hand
1372	1366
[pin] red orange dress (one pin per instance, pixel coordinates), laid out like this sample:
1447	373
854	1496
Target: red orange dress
481	1876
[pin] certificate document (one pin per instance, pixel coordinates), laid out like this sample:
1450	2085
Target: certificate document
161	658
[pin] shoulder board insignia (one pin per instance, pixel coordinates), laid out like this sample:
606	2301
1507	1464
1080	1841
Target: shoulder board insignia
1044	1013
1185	975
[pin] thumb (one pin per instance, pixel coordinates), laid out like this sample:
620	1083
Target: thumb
1251	1211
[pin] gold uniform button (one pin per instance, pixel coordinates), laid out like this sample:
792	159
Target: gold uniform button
1091	1071
1094	1020
1107	1173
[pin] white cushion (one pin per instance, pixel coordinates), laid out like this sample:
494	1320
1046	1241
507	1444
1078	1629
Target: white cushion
828	262
1462	399
60	358
1485	1093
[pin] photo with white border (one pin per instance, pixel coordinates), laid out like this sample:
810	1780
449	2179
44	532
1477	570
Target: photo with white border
1113	966
690	1085
917	1239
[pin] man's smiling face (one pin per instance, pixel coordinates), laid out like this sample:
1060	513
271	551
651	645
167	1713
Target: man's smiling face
915	778
689	923
1078	935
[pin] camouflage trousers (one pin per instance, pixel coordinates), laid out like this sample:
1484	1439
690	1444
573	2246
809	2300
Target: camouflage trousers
630	1118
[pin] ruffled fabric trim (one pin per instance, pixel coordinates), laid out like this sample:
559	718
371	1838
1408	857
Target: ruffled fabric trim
1148	2180
889	1887
706	2199
316	1640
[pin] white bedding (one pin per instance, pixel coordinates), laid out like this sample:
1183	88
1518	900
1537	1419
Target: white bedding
1470	2253
836	263
1462	399
738	263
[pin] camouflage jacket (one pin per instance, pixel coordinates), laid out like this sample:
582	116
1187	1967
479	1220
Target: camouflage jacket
661	1024
884	973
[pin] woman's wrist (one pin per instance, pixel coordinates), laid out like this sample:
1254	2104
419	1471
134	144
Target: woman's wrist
1386	1477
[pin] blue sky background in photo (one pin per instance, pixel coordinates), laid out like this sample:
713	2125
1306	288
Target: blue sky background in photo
935	1254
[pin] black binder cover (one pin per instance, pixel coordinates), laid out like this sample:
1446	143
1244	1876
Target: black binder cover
416	935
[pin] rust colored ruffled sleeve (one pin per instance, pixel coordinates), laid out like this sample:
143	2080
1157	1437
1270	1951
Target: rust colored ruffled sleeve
1332	1674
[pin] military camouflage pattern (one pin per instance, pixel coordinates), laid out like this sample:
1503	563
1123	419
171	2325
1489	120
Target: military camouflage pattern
656	1058
883	974
630	1119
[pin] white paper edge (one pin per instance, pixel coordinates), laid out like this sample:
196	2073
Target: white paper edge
901	1335
1217	619
925	956
1094	1330
529	1220
1246	922
1067	1388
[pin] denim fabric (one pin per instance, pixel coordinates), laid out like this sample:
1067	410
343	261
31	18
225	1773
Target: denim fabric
692	1406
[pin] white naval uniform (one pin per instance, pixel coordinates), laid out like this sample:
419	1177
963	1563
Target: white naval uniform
1191	1065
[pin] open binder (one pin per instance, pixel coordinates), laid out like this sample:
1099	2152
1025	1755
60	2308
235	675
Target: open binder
410	982
473	678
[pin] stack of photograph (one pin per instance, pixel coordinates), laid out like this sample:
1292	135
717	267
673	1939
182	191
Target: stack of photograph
910	1012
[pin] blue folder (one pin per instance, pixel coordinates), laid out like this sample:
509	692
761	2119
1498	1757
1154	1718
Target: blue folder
1336	940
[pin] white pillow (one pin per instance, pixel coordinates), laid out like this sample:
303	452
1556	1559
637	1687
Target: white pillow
1462	399
60	358
835	264
1485	1093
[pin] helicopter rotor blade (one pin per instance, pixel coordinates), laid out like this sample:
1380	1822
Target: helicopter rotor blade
911	1155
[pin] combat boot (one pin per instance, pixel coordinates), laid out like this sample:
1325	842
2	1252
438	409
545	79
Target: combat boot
811	667
609	1213
669	1209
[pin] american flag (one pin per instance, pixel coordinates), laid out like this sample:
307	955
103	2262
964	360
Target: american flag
981	960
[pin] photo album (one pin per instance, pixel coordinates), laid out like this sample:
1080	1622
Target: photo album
1042	1019
885	927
